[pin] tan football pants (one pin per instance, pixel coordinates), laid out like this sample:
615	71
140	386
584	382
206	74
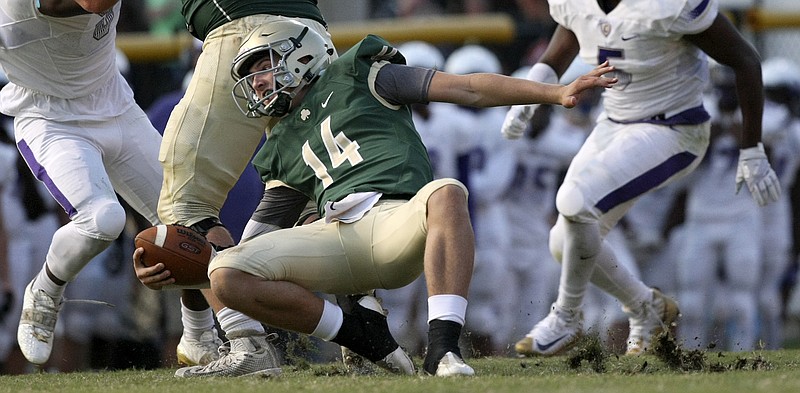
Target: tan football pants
384	249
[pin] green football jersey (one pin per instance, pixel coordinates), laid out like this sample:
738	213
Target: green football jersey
344	138
202	16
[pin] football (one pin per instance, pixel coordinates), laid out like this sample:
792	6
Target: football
183	251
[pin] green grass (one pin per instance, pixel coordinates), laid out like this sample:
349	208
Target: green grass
759	371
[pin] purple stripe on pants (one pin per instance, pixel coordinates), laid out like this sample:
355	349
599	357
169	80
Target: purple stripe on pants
41	174
646	181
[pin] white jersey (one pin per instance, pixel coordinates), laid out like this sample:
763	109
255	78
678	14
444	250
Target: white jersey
448	137
642	39
491	173
711	196
61	69
8	162
541	163
8	169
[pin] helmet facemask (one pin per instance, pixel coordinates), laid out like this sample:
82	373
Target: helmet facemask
297	55
275	103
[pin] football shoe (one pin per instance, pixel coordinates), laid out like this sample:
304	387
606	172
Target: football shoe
37	324
650	320
559	331
200	351
242	356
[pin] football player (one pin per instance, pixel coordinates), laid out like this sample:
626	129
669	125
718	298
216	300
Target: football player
207	145
346	139
722	234
653	130
82	134
782	141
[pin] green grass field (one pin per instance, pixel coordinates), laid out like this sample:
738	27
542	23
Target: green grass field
586	369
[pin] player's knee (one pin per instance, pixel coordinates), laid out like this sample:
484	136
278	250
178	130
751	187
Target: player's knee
106	223
450	195
225	284
571	203
448	205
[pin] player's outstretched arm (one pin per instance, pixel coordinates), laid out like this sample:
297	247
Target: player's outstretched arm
723	42
485	90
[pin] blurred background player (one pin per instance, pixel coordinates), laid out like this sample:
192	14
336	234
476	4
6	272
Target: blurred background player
719	267
489	173
85	138
782	142
542	156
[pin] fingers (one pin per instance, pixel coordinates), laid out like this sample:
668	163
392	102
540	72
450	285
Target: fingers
601	69
154	277
593	79
772	189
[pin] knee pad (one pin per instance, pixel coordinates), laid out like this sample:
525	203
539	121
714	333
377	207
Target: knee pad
107	221
571	203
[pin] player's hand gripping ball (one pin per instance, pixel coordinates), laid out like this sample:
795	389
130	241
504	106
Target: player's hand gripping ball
183	251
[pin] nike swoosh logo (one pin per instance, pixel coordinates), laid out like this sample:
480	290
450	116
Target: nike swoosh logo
545	347
629	37
332	208
325	104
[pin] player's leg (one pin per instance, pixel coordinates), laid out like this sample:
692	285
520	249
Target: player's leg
449	258
71	166
697	273
431	233
135	173
616	165
202	159
277	290
776	251
743	264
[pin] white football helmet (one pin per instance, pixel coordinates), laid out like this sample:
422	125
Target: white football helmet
779	71
422	54
470	59
298	55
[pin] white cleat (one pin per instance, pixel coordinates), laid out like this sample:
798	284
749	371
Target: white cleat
37	324
397	362
201	351
452	365
649	321
558	332
245	356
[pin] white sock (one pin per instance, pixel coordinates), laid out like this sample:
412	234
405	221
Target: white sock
70	251
616	280
44	283
582	243
447	308
235	324
329	322
195	323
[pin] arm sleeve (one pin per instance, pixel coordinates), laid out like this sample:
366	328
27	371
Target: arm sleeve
280	206
400	84
696	16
